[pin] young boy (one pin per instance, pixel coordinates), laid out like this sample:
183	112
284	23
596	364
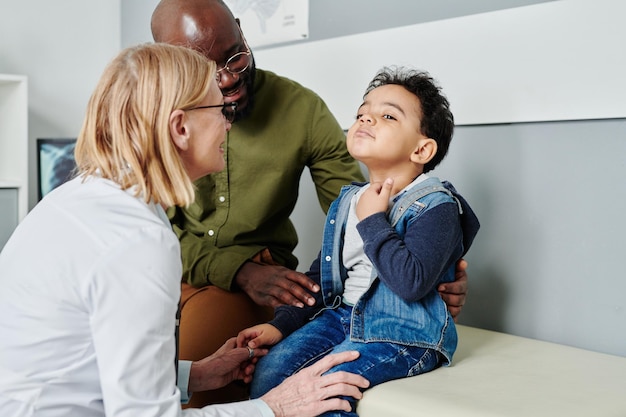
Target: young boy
386	246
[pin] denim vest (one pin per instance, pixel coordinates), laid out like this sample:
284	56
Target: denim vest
381	315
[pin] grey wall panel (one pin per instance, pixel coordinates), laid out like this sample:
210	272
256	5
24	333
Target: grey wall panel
8	213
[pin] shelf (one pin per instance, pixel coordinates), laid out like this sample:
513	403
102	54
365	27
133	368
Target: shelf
10	184
14	138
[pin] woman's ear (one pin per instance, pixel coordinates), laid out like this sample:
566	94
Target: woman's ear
179	129
425	151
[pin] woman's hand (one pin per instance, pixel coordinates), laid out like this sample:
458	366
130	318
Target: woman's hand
308	393
228	364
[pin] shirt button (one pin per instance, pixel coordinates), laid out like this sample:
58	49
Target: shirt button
327	259
222	199
332	221
210	233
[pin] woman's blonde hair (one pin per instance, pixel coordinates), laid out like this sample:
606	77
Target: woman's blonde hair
125	136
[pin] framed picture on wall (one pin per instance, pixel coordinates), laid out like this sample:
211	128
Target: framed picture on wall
55	163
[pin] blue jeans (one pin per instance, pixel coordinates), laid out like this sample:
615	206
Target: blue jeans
330	333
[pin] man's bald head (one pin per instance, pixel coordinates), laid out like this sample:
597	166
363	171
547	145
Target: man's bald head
198	24
209	27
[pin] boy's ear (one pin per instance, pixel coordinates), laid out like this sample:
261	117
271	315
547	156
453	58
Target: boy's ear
179	129
425	151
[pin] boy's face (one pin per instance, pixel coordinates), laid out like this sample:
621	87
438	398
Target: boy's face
387	129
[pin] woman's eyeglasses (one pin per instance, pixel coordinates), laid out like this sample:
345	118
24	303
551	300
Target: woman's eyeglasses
228	109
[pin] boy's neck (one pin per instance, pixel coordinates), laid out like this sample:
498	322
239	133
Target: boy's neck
400	179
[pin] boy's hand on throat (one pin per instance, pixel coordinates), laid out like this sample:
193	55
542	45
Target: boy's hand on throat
375	199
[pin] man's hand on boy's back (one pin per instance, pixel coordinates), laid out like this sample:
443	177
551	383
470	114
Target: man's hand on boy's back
454	293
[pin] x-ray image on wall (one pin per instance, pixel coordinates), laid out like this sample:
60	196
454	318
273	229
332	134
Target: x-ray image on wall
56	163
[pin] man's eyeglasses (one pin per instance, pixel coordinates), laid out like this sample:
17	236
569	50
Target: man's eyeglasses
228	109
237	63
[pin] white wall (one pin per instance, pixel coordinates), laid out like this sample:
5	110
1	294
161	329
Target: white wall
62	46
561	60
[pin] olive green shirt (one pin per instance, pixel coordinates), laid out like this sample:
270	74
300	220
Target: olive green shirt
246	207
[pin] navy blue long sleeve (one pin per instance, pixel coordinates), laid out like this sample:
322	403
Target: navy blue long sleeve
412	267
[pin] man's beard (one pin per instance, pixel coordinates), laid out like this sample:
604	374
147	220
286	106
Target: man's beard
248	81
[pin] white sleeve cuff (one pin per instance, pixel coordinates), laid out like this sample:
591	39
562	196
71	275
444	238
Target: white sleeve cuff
265	409
184	370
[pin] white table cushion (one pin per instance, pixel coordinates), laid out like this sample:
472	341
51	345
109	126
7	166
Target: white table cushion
496	374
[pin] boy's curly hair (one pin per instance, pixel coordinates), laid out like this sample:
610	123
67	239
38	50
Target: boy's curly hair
436	120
